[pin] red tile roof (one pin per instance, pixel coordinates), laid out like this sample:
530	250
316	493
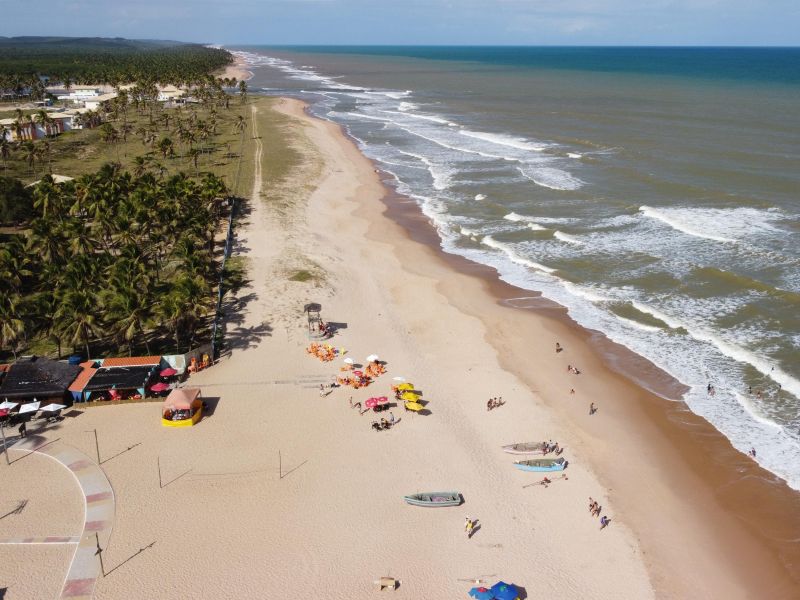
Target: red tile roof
133	361
83	377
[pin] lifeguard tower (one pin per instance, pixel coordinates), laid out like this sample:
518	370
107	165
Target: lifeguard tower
312	311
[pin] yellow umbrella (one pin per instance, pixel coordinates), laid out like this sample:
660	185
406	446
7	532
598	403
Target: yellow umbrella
415	406
405	386
411	396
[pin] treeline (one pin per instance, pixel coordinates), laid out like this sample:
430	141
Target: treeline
112	256
24	62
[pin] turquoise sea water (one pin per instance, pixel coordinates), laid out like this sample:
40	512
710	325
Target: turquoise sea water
654	192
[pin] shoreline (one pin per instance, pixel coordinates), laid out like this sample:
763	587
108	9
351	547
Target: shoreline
238	70
728	504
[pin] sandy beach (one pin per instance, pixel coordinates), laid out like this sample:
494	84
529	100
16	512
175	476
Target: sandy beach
237	70
279	488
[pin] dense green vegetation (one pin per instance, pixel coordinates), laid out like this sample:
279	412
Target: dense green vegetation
16	201
125	257
110	255
24	61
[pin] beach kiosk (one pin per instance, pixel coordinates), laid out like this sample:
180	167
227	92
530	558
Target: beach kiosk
182	408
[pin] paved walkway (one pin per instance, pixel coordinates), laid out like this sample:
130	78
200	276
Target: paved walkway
99	515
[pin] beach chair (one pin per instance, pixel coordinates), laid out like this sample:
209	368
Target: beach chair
386	583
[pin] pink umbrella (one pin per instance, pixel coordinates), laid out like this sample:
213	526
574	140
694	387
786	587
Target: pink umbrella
159	387
383	399
359	373
371	403
168	372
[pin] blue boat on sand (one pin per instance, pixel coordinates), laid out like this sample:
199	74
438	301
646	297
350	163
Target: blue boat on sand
542	464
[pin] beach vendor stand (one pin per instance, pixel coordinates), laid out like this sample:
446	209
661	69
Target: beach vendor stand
182	408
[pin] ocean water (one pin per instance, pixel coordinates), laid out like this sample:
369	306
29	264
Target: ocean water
655	193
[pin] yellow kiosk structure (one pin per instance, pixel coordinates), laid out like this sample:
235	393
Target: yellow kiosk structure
182	408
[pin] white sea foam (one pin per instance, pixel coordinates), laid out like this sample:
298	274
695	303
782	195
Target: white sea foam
512	216
501	139
746	403
550	177
565	237
574	155
535	226
733	351
407	106
672	322
638	325
584	292
440	174
513	256
676	222
480	197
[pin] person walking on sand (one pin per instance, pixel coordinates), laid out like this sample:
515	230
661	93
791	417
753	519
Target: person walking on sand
558	348
604	521
592	408
391	418
468	526
321	390
23	431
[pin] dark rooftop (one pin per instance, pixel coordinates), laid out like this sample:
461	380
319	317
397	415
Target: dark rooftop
37	376
121	378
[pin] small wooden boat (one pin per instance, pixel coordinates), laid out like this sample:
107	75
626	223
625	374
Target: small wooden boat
525	448
434	499
541	464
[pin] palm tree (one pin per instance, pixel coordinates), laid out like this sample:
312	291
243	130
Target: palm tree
12	324
166	148
77	315
31	155
243	91
5	147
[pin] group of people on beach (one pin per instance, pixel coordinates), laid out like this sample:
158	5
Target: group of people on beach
494	403
595	509
324	352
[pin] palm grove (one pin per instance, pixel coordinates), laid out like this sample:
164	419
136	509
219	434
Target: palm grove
117	260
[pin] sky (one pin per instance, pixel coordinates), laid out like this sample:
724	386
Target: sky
467	22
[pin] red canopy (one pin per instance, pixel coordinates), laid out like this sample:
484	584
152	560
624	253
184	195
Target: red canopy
168	372
181	399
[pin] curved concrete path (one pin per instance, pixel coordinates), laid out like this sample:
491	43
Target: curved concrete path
99	513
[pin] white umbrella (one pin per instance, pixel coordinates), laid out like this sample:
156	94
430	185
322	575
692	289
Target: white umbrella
30	407
349	361
53	407
399	378
372	358
8	405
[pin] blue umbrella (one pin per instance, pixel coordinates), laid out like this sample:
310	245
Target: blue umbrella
481	593
504	591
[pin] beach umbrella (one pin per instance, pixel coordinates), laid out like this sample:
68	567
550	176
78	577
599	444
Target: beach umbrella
7	405
481	593
410	396
372	358
348	360
382	399
31	407
371	403
53	407
398	378
415	406
159	387
359	373
405	386
504	591
168	372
